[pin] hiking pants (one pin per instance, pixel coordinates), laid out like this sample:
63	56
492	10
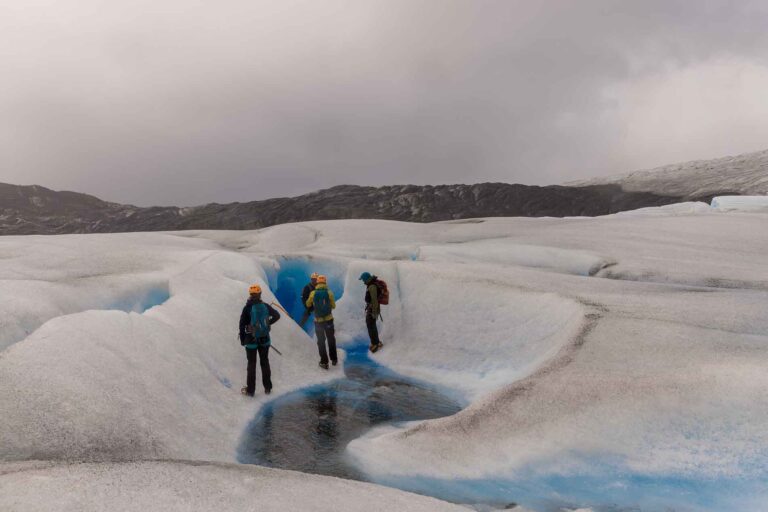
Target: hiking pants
373	331
325	330
305	317
261	353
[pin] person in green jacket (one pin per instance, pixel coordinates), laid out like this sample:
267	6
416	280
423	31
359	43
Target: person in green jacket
323	302
372	309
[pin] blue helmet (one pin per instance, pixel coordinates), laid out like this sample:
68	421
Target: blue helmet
365	277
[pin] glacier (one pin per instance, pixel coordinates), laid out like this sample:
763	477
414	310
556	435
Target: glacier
609	363
743	203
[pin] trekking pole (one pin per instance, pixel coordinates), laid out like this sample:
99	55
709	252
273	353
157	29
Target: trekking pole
281	308
273	348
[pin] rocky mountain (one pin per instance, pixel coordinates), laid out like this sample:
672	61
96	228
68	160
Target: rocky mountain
38	210
745	174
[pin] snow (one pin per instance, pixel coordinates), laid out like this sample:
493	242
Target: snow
446	326
745	174
95	384
173	486
743	203
610	357
505	252
685	208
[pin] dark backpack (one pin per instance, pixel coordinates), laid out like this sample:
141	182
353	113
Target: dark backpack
260	321
322	303
382	292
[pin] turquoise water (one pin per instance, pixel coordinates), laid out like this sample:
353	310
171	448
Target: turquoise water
611	490
308	430
293	275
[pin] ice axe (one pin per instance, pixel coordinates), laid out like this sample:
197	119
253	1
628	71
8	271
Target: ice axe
287	314
367	310
280	307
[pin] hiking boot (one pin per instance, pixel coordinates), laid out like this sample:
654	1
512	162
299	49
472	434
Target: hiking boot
375	348
244	391
334	363
267	391
324	366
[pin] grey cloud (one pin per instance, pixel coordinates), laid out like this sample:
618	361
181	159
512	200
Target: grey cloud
191	102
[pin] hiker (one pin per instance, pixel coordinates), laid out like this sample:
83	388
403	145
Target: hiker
323	302
309	288
255	323
376	294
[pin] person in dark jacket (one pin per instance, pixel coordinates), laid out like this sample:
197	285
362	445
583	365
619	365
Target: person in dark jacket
309	288
372	309
324	302
255	322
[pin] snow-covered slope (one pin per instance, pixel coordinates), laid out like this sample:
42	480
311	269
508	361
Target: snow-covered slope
602	360
745	174
96	378
165	485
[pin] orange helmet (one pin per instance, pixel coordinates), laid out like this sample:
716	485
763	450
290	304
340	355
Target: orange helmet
322	280
254	288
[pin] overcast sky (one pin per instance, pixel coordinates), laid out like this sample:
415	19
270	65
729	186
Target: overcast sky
189	101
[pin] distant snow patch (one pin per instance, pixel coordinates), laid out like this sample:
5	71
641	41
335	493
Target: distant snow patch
743	203
686	208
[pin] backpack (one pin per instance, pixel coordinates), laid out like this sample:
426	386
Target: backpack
382	292
260	321
322	303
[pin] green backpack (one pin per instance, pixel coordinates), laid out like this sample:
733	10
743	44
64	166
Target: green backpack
322	302
260	322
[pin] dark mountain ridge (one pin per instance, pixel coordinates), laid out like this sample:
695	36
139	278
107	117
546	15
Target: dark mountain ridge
34	209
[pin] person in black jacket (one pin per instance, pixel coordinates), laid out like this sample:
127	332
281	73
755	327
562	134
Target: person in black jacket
308	289
254	336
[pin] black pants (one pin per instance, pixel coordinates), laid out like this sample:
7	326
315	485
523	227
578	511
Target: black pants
325	330
305	317
373	331
266	373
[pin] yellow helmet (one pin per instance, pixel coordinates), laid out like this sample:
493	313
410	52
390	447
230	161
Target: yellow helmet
314	275
322	280
254	289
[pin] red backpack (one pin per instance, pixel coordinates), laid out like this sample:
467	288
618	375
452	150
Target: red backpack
382	292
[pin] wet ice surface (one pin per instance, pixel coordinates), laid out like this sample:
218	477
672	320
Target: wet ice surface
663	406
308	430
